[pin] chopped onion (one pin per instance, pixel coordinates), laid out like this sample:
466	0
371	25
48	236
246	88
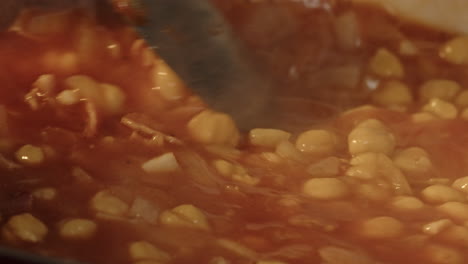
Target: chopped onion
160	164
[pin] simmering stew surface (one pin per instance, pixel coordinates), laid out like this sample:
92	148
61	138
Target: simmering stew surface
107	157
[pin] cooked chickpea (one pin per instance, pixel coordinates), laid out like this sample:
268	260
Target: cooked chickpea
30	155
393	93
422	117
441	109
413	161
105	202
287	150
366	166
45	194
438	254
438	194
455	210
25	227
267	137
166	81
381	228
113	98
406	203
213	128
435	227
455	234
461	184
439	88
143	250
76	229
386	64
371	136
319	142
325	188
462	99
455	51
185	215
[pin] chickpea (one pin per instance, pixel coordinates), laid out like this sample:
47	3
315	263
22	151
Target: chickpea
440	194
105	202
143	250
406	203
213	128
455	51
46	194
381	228
455	210
325	188
386	64
25	227
30	155
76	229
441	109
318	142
435	227
393	93
371	136
185	215
267	137
461	184
439	88
413	161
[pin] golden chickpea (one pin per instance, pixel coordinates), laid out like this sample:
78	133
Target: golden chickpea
383	227
318	142
76	229
393	93
441	109
455	210
455	51
185	215
25	227
213	128
325	188
406	203
371	136
461	184
30	155
439	88
438	194
386	64
263	137
413	161
105	202
143	250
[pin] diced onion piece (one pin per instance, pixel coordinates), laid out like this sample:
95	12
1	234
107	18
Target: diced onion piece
160	164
